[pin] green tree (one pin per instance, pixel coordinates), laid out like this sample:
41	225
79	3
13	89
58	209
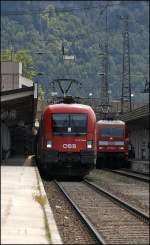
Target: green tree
41	92
81	32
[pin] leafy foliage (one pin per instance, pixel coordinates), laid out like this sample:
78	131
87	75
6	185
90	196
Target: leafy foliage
22	56
81	31
41	92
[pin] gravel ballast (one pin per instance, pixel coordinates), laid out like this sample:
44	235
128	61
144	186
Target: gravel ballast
71	229
132	191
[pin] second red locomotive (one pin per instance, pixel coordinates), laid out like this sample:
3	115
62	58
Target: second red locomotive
112	143
67	140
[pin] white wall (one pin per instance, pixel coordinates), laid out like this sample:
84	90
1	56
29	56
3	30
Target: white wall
25	81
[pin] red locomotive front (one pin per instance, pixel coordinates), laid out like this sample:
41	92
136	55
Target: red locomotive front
67	140
112	143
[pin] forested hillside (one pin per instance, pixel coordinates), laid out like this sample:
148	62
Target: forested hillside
42	26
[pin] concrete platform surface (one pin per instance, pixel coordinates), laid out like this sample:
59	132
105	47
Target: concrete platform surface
26	217
140	166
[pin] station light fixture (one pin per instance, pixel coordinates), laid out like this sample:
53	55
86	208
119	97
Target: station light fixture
36	124
68	57
54	94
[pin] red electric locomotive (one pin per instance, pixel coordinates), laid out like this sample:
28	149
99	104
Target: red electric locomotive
67	140
112	143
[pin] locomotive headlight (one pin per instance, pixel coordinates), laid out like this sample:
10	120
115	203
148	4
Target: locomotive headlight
49	144
89	144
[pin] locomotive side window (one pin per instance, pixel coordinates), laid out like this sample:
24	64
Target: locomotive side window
118	132
69	123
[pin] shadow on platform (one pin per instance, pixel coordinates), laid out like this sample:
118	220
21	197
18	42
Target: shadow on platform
19	160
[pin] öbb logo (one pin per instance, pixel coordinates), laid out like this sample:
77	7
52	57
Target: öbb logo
69	146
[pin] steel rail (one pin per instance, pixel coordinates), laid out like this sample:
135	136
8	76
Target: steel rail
88	224
134	171
129	174
128	207
133	175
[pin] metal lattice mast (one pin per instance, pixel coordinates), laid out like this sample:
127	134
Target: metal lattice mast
104	75
126	84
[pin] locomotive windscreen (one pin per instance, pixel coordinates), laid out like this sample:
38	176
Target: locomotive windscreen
69	123
112	132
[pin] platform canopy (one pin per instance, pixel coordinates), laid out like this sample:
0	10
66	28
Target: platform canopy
19	105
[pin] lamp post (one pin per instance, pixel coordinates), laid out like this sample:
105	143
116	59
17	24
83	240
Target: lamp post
36	124
132	101
90	97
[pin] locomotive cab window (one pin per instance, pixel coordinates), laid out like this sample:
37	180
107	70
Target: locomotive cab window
115	132
59	123
78	123
69	123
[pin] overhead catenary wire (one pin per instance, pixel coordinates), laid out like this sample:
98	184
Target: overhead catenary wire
32	12
79	74
60	10
81	36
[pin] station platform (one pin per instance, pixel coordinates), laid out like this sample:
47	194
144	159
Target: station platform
26	217
140	166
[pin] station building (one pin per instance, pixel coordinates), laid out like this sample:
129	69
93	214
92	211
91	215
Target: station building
138	125
18	109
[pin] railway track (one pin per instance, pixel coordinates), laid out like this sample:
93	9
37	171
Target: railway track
84	219
128	173
126	188
109	220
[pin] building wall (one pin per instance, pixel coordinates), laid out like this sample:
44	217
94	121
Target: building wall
11	76
139	136
9	81
8	67
23	81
